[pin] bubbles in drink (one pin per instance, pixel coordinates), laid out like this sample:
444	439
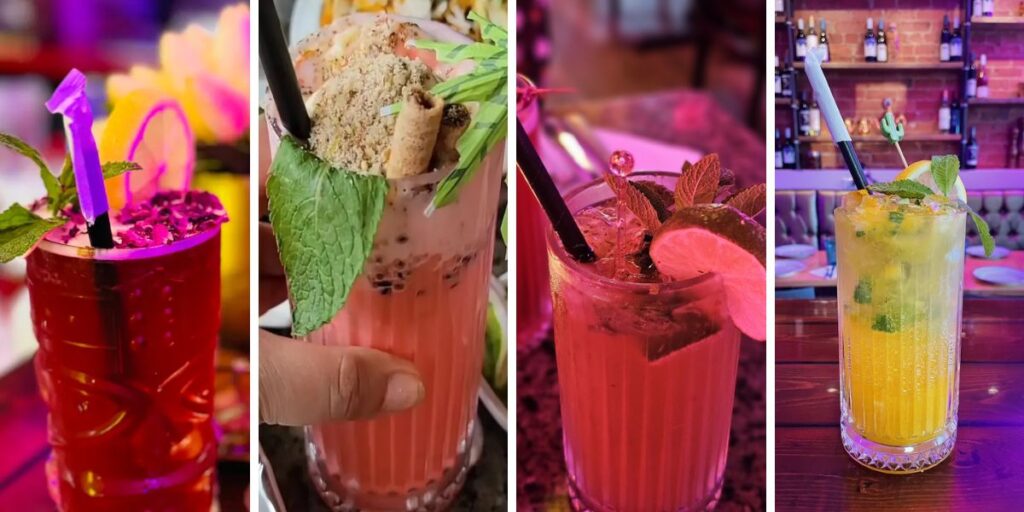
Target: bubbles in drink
621	163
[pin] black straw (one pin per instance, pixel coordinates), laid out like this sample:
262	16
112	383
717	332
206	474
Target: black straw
277	64
853	163
100	234
550	199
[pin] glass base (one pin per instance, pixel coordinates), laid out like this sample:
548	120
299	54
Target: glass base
434	496
898	459
580	502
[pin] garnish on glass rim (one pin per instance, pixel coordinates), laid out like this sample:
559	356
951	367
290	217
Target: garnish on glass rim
21	228
487	84
693	234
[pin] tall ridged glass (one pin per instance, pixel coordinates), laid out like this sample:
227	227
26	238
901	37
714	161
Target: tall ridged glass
900	296
126	366
646	401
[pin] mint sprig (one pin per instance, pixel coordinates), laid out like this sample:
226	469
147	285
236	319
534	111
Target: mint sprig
324	220
21	229
907	189
944	171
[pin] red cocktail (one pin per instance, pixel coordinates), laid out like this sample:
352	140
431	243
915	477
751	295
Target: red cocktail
126	358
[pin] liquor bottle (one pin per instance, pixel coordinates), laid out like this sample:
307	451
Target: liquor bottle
787	80
778	78
815	115
987	7
976	8
882	45
973	150
801	40
812	34
778	150
955	121
780	7
823	41
804	116
944	113
956	41
789	151
944	38
983	77
870	43
971	90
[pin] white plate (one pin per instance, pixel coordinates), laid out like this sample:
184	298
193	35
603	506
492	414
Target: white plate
786	268
1004	276
493	404
822	272
978	251
795	251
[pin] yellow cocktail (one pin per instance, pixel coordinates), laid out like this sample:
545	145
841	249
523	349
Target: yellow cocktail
900	294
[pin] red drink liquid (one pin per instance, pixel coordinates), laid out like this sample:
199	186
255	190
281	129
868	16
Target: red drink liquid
647	371
126	367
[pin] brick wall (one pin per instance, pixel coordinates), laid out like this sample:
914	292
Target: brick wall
917	94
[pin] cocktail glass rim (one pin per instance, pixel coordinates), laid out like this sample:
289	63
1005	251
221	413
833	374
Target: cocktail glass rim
127	253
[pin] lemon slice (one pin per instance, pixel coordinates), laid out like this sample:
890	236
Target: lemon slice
921	172
148	128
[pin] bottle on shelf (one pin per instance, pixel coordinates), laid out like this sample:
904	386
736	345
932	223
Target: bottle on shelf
955	117
971	89
973	150
944	39
882	45
815	115
780	7
789	151
956	41
778	150
804	116
983	77
812	34
823	42
988	8
870	43
976	8
801	40
778	78
944	114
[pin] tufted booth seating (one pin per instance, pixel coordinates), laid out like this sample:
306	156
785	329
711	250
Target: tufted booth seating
805	216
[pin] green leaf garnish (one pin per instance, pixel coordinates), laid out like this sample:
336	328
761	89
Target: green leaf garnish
20	230
487	84
944	171
886	323
907	189
862	293
983	232
324	220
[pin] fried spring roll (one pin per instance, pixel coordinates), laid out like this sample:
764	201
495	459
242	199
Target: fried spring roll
415	135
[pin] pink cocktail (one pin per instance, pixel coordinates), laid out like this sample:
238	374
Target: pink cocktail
646	366
126	361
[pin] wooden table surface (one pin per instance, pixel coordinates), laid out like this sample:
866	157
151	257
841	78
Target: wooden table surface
985	471
25	448
972	286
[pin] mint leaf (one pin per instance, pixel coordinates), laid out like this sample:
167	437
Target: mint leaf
750	200
21	230
907	189
886	323
862	293
944	171
659	197
324	220
698	183
983	232
22	147
114	169
635	201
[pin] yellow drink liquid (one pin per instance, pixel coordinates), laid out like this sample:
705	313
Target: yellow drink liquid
900	294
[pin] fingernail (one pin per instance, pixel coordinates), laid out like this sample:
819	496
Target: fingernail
404	391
